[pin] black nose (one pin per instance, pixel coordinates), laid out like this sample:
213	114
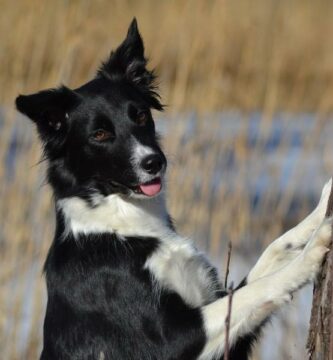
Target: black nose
152	163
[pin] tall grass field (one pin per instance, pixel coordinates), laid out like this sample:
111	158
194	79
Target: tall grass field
248	88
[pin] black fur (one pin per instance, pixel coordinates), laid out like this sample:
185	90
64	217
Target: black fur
102	302
101	297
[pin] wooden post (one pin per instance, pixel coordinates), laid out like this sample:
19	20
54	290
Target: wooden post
320	337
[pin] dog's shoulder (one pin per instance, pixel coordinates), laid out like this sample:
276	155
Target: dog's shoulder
178	266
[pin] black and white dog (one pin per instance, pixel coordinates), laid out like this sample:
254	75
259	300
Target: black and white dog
122	284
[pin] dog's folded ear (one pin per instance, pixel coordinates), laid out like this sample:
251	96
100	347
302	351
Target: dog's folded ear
48	109
129	61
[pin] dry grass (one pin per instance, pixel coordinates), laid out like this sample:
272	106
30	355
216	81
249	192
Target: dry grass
210	55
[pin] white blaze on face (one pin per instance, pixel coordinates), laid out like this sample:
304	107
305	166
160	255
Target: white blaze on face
140	152
149	185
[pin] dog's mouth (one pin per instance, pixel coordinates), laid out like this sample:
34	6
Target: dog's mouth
150	188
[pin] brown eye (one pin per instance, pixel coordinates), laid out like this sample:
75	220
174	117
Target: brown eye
102	135
142	118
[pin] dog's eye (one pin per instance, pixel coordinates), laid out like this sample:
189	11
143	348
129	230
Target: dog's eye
102	135
142	118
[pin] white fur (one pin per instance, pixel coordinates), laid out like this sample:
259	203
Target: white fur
178	266
287	247
256	301
140	152
114	213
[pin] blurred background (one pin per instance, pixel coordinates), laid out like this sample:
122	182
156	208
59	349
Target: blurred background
247	129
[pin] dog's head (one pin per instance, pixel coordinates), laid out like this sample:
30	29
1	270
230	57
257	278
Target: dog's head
101	136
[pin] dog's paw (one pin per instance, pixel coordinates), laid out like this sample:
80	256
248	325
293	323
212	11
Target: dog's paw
305	267
322	236
326	190
322	204
315	250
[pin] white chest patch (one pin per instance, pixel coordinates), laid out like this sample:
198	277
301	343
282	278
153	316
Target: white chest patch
126	217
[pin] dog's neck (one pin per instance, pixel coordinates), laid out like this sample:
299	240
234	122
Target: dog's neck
115	214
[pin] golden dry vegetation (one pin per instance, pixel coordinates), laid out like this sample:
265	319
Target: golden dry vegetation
256	55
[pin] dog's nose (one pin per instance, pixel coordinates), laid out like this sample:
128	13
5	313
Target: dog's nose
152	163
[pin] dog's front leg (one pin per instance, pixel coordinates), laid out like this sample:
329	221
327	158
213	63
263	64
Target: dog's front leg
255	302
287	247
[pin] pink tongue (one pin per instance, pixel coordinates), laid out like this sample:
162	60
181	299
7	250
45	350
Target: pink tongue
151	189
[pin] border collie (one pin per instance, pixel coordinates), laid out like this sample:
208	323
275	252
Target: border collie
122	284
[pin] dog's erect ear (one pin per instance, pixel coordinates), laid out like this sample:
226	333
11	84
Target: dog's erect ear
48	109
128	61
